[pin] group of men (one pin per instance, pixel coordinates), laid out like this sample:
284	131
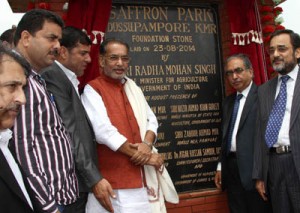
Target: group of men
63	143
59	149
259	162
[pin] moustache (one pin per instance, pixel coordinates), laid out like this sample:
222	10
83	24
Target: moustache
54	52
11	107
277	59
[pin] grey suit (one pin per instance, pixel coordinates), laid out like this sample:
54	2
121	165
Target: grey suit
237	170
77	123
262	155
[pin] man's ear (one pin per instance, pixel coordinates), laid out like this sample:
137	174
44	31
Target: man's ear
63	52
6	44
297	53
25	38
101	61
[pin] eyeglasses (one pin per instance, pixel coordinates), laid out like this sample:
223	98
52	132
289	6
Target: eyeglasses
280	49
115	58
238	70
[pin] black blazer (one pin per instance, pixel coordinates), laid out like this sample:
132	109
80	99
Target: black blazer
12	199
78	125
244	138
266	98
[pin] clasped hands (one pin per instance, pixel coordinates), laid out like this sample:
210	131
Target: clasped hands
144	156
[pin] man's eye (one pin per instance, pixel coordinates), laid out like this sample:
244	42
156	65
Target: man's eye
52	38
11	86
83	53
114	58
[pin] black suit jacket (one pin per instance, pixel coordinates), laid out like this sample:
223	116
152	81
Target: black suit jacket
12	199
244	138
266	98
77	123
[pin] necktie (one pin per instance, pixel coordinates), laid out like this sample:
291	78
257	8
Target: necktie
277	114
233	119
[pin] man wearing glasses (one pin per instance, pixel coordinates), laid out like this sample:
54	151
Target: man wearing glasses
238	127
125	129
277	147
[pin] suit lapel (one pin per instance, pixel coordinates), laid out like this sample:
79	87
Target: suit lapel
296	101
269	96
66	80
248	104
227	112
7	175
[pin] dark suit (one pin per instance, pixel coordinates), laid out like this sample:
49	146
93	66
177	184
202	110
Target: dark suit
12	199
237	169
266	98
77	123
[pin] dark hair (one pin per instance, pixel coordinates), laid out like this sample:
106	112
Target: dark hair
295	38
34	20
71	36
243	57
8	35
16	57
104	44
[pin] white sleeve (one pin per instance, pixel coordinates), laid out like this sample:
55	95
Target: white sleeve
219	168
152	123
105	132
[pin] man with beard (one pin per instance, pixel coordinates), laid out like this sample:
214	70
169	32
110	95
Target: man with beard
277	149
14	196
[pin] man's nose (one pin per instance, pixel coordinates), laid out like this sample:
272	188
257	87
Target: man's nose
20	97
88	59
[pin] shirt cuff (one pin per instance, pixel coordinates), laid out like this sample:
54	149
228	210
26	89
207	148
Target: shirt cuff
219	167
118	141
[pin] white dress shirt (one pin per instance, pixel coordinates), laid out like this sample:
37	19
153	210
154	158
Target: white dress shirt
283	136
71	76
5	136
245	93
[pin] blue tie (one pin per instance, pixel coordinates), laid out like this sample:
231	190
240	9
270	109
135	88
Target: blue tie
233	119
277	114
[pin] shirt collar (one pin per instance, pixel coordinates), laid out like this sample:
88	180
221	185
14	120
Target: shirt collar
5	136
246	91
70	75
293	74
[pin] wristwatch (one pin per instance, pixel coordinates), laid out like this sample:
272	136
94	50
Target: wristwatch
148	144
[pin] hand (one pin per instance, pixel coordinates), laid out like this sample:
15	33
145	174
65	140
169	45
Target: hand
218	179
156	160
142	155
103	191
260	187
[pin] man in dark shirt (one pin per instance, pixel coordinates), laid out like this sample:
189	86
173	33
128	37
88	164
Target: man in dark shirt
41	142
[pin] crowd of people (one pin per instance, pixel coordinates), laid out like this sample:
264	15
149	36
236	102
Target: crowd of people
64	156
66	151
